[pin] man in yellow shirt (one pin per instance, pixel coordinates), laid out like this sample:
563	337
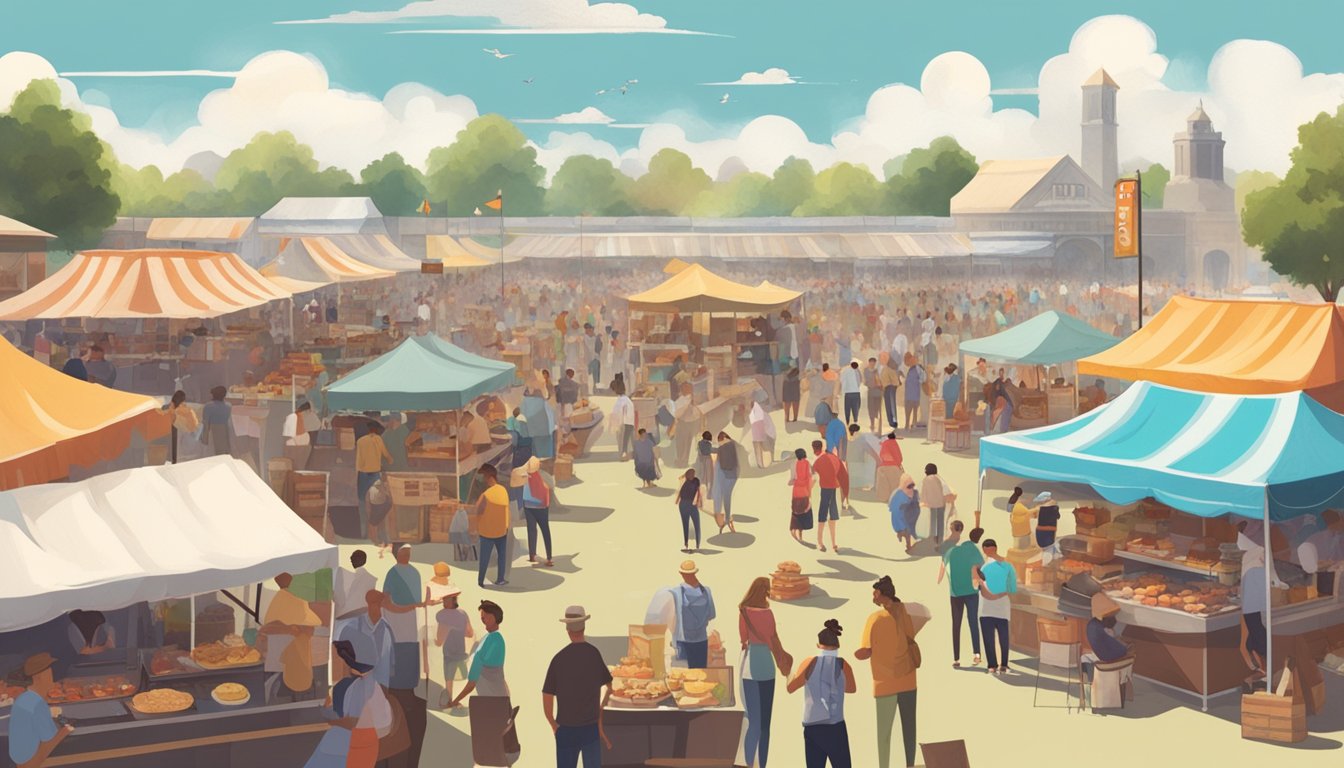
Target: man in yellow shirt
493	528
888	642
370	457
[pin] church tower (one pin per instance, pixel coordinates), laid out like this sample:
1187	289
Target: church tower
1100	158
1197	180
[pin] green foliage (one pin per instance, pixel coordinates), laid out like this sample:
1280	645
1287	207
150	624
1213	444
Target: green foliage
586	185
52	173
671	185
929	177
1155	178
490	155
789	187
1299	223
145	192
273	166
738	196
397	188
1247	182
844	189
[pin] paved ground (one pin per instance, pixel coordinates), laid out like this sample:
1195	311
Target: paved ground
617	544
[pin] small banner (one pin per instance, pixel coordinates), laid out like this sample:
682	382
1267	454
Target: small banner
1126	218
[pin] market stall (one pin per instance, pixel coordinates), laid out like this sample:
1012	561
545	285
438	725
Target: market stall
169	563
1048	339
1195	464
1234	347
52	421
698	326
434	382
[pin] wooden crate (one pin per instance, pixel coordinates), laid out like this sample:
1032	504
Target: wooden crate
306	494
413	488
1270	717
564	468
345	438
441	519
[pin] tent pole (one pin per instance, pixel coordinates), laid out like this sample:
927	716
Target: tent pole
1269	601
980	494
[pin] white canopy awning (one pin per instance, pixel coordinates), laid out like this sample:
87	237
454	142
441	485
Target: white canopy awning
145	534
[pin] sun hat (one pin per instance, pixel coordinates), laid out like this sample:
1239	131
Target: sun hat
688	567
441	569
575	614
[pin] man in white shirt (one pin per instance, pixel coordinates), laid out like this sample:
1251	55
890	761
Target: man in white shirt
423	314
850	384
352	584
298	445
900	344
623	414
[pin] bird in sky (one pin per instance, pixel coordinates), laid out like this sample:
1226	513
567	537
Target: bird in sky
602	92
723	99
528	81
496	53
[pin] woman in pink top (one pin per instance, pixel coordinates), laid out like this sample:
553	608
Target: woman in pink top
760	646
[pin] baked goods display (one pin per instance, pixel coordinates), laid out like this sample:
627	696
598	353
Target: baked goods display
232	651
638	693
633	668
697	688
162	701
1154	590
8	694
171	661
230	694
90	689
788	582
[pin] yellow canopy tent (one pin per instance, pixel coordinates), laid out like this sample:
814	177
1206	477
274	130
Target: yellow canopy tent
1234	347
52	421
674	266
696	289
447	250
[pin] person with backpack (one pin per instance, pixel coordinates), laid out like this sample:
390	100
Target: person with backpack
537	510
825	679
889	644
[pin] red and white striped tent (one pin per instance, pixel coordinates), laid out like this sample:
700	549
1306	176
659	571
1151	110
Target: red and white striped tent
145	283
307	263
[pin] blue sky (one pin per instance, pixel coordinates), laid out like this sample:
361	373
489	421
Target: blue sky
849	48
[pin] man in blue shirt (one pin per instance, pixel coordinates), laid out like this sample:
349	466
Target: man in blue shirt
835	436
33	734
371	637
995	580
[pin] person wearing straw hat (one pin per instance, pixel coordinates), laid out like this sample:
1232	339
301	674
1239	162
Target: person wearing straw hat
579	680
33	734
693	604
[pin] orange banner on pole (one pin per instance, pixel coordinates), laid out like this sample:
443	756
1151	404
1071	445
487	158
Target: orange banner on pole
1126	218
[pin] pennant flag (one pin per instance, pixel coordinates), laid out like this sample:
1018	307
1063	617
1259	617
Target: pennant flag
424	207
497	203
478	211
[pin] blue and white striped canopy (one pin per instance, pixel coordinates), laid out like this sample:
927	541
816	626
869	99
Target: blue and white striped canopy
1206	454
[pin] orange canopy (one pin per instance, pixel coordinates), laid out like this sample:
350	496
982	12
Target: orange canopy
696	289
51	421
1234	347
145	283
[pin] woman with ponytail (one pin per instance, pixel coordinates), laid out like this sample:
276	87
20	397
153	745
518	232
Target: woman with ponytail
825	678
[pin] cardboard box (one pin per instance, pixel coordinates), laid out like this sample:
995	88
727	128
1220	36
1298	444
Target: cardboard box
564	468
413	488
1270	717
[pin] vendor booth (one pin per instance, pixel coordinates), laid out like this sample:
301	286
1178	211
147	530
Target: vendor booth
146	587
433	382
1188	466
52	421
1048	339
697	319
1236	347
154	311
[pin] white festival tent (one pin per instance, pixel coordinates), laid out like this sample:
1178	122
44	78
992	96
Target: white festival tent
146	534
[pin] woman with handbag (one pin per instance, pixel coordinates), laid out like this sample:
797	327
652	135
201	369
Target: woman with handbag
762	653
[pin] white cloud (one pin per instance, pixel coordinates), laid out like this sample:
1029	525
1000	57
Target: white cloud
585	116
1257	95
771	76
153	73
514	17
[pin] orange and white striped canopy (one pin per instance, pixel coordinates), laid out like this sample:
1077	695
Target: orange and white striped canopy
318	261
145	283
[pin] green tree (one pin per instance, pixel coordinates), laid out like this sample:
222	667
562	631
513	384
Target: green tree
670	186
52	169
1299	222
789	187
397	188
929	177
1155	178
844	189
1252	181
273	166
490	155
738	196
145	192
589	185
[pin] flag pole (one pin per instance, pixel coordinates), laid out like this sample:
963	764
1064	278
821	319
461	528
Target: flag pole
501	245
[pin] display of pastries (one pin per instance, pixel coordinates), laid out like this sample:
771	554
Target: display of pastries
1201	598
633	668
162	701
231	694
90	689
638	693
220	655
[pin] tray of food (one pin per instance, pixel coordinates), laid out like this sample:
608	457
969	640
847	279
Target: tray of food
90	689
230	653
1203	598
701	688
172	662
633	668
638	694
231	694
159	702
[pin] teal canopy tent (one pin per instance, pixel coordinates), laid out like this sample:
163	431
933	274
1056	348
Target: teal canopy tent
1049	338
423	373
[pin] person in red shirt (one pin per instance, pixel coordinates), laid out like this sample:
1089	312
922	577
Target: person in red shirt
832	476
